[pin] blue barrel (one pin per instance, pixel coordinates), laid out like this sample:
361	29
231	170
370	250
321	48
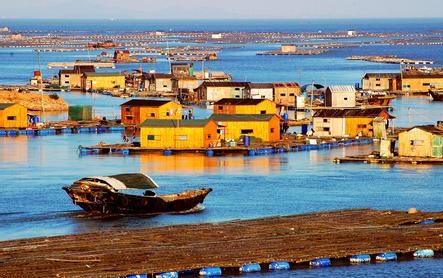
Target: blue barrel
427	222
83	130
285	117
251	152
390	256
304	129
43	132
322	262
66	130
247	141
210	271
93	130
167	275
13	132
248	268
167	152
136	276
125	152
361	258
52	131
279	266
101	129
424	253
30	132
210	152
23	132
116	129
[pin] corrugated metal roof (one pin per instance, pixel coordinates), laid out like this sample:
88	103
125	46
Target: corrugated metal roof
285	84
238	101
242	117
224	84
349	113
429	128
3	106
261	85
382	74
145	102
175	123
98	74
342	89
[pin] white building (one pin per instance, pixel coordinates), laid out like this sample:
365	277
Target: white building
340	96
262	91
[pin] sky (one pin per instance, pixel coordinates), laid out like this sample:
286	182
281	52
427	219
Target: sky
219	9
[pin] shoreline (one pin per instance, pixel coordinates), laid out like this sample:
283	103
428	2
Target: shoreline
295	239
34	101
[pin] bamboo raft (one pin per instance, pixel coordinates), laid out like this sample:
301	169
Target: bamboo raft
295	239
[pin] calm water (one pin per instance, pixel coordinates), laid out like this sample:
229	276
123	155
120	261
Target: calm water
33	170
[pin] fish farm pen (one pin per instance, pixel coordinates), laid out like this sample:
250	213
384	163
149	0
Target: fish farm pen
277	243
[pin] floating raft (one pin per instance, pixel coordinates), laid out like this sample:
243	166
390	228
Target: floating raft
394	160
250	151
296	240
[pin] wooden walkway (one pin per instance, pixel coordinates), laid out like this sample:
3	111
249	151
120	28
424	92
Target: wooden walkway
393	160
296	239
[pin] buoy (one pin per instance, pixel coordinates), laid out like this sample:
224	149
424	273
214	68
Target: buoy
210	271
383	257
424	253
248	268
167	152
361	258
412	210
210	153
279	266
323	262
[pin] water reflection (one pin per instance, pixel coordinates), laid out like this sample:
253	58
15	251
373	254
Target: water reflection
14	151
199	164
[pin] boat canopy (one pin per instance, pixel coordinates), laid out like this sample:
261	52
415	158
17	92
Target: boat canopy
127	181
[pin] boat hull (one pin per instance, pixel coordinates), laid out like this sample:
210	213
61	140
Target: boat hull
107	202
436	96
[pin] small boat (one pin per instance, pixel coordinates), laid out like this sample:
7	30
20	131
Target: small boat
436	95
101	195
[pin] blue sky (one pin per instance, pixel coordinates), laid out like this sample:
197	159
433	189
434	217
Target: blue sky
219	9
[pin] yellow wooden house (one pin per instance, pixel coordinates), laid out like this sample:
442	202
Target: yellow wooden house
136	111
421	141
13	115
183	134
244	106
414	80
103	81
262	126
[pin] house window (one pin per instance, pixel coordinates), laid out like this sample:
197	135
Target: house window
361	126
247	131
378	85
282	94
237	96
220	107
209	136
292	94
377	79
426	84
152	114
182	137
129	117
151	137
165	86
345	98
237	89
326	129
262	97
272	130
128	109
263	112
66	76
12	118
417	143
168	114
326	120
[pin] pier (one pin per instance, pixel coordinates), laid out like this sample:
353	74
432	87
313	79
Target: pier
371	159
296	240
81	63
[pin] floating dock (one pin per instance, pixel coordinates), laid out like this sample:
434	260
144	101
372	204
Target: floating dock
288	243
393	160
218	151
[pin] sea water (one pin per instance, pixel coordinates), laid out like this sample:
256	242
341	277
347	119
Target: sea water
33	169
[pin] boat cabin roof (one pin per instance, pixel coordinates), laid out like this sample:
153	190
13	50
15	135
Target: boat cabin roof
127	181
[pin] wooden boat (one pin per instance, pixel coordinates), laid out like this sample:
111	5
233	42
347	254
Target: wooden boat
101	195
436	95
